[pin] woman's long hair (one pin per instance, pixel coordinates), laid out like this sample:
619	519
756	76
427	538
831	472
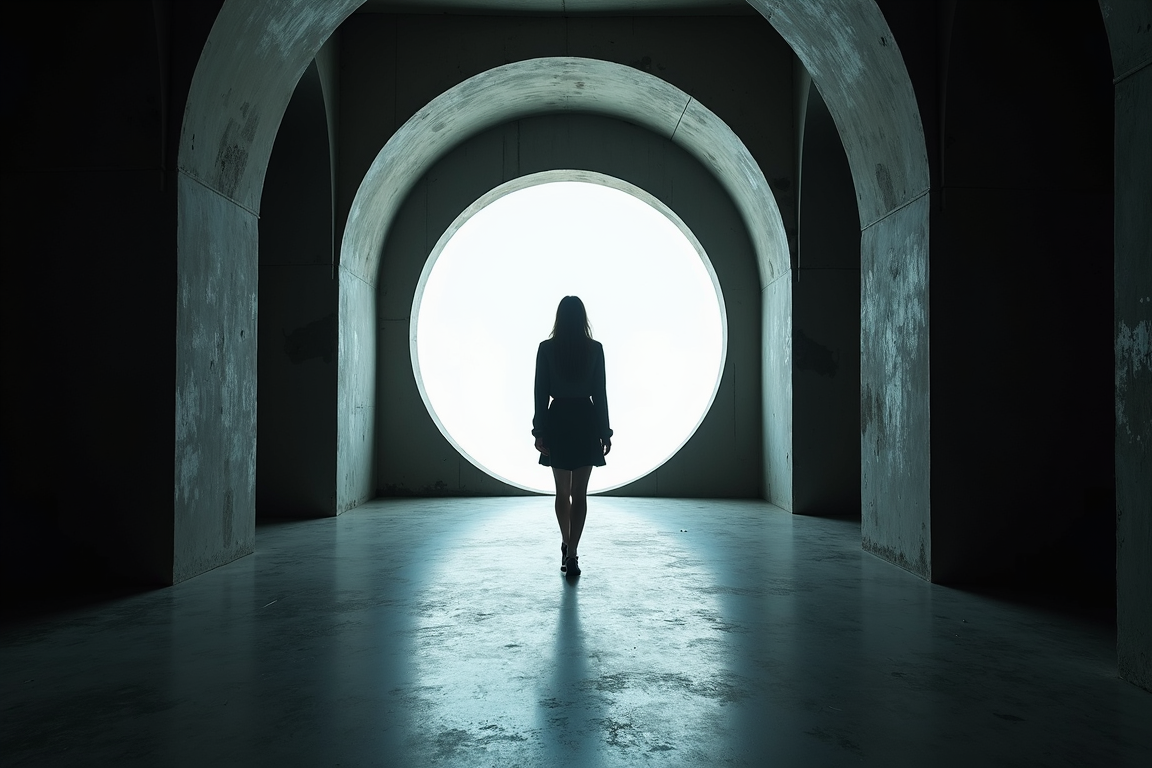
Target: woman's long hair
572	335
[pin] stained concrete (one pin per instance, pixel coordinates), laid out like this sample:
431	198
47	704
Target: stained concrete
854	60
776	391
862	78
894	390
240	91
214	493
442	633
356	392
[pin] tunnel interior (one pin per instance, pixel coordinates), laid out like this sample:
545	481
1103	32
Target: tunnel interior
1023	184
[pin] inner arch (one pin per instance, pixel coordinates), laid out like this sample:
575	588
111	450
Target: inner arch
559	84
520	90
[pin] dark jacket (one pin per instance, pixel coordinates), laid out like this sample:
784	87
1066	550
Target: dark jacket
550	383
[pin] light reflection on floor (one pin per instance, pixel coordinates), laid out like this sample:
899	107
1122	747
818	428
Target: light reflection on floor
439	632
515	656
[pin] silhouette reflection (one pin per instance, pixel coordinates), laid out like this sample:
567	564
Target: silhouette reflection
524	665
569	711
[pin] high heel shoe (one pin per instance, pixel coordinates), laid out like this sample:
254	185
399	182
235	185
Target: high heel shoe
573	566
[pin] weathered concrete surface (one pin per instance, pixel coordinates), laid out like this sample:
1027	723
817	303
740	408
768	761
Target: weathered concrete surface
711	142
255	55
894	394
1130	37
849	51
1129	25
776	391
215	468
722	457
249	67
356	392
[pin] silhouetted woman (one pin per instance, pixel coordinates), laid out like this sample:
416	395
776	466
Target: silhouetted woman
572	432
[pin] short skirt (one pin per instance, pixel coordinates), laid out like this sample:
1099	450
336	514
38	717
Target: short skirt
571	435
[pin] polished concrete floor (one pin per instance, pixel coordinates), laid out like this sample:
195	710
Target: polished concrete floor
441	633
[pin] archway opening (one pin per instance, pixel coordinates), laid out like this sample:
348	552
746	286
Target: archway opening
488	295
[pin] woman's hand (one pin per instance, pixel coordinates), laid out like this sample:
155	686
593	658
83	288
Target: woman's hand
541	447
607	443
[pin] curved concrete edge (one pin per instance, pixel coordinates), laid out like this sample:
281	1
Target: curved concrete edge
1127	23
255	54
561	84
849	50
713	143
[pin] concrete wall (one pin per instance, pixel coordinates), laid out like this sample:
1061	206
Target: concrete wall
356	391
215	489
855	61
722	458
236	100
826	325
296	436
895	451
384	72
1129	27
395	64
776	391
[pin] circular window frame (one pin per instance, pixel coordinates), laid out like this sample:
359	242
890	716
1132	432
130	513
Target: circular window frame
537	179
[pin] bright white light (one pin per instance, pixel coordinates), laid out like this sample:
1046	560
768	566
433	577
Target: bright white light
488	297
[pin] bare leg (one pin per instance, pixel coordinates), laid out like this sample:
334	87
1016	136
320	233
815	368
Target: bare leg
564	501
579	507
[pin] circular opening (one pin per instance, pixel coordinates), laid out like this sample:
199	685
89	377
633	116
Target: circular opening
488	296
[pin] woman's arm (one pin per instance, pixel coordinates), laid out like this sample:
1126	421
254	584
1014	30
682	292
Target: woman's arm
600	398
542	389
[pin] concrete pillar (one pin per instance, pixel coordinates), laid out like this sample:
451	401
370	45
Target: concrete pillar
242	85
1129	24
852	57
896	517
215	493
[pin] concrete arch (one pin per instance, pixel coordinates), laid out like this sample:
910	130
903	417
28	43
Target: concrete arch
561	84
507	93
257	51
724	456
